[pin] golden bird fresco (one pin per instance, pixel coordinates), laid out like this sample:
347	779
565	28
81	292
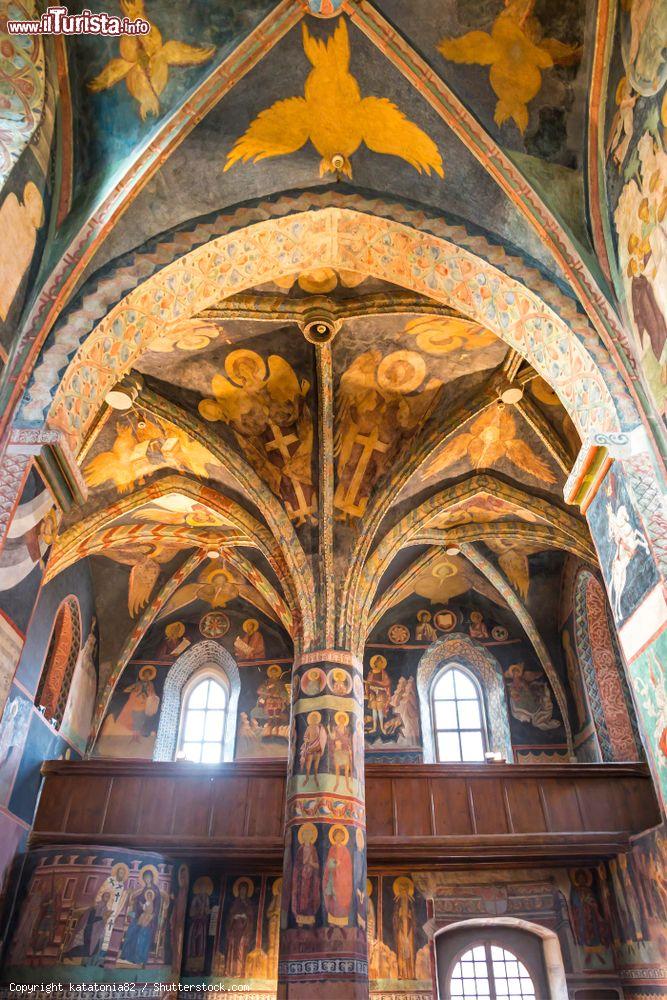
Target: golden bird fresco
378	406
517	54
144	444
144	62
492	436
334	116
265	404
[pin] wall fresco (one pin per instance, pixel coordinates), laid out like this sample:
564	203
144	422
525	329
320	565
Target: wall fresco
258	645
100	916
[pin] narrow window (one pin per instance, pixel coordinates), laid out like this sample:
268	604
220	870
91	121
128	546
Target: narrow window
204	721
458	717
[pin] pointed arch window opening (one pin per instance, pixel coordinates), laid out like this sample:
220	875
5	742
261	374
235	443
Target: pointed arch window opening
459	722
204	718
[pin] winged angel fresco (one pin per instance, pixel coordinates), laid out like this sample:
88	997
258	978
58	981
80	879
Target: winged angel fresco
490	437
377	407
335	117
216	584
265	404
145	560
142	445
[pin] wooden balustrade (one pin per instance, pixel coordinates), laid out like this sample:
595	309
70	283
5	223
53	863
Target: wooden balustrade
416	814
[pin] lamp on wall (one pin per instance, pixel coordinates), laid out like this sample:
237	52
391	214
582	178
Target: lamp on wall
123	394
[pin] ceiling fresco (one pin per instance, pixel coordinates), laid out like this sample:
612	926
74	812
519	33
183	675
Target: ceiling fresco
256	142
410	453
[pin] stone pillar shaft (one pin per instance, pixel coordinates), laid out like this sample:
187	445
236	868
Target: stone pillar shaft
323	918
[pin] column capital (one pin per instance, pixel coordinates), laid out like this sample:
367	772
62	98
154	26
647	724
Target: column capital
343	657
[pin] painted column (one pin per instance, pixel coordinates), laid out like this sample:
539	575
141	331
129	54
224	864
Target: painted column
628	522
323	948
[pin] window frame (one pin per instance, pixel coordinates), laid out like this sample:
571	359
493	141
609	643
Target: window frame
487	945
205	673
483	726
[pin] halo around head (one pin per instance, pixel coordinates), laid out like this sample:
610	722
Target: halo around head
337	828
244	880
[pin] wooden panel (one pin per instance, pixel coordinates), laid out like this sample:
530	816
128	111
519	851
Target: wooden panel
416	812
451	806
600	807
123	806
266	808
562	807
379	807
156	806
488	804
192	807
229	805
525	806
639	805
54	803
88	805
412	804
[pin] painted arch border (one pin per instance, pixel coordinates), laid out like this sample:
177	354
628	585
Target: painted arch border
345	239
458	648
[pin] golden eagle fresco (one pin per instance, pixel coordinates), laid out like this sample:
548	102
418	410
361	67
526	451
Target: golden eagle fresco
144	62
335	117
272	424
492	436
517	53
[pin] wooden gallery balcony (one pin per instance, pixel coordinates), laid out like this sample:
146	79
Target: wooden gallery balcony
417	814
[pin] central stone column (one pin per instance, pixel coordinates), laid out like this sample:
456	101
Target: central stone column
323	916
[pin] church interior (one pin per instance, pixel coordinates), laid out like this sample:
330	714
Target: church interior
333	535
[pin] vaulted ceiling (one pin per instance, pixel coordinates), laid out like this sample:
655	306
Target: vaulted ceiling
326	442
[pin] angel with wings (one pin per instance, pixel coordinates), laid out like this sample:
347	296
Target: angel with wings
492	436
145	560
217	584
265	404
143	444
377	407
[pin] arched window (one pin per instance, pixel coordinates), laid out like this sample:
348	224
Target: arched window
61	657
204	718
489	972
458	716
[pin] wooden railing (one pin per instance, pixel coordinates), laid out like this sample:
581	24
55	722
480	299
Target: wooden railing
416	814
